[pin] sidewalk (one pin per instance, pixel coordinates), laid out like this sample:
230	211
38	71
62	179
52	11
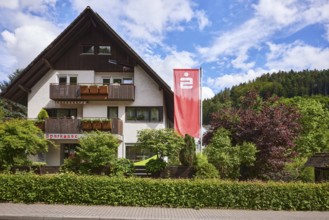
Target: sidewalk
70	212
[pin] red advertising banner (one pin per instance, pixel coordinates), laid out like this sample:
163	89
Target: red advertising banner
187	101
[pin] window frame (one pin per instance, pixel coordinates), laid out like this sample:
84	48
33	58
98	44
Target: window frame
83	52
104	46
112	107
135	116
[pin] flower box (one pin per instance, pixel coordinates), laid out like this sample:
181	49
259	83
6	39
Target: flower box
106	125
93	90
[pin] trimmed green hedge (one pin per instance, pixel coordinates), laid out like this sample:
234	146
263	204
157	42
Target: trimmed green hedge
102	190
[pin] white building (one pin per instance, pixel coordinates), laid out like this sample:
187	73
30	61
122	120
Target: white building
89	72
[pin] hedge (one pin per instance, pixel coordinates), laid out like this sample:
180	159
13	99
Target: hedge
103	190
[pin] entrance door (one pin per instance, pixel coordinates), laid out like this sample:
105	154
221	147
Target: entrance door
68	151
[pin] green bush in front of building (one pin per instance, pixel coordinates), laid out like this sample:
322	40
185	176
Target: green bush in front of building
197	193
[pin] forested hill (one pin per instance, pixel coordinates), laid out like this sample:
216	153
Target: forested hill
282	84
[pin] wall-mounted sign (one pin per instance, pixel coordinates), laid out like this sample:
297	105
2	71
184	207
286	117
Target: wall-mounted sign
63	136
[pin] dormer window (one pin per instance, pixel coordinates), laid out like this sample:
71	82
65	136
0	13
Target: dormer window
104	50
88	49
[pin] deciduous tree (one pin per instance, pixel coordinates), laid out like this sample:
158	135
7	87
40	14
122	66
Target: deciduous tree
18	140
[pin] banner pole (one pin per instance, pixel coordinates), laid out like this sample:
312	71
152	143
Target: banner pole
200	109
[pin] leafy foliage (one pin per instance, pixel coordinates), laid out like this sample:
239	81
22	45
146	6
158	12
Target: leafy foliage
314	120
97	150
228	158
212	193
155	166
270	125
19	139
122	167
187	153
204	169
11	109
162	142
43	114
297	171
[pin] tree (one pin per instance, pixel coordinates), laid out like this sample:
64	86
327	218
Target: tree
187	153
11	109
228	158
314	120
162	142
97	149
270	125
4	84
18	140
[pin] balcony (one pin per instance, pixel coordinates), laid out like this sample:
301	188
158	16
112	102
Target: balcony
67	126
86	92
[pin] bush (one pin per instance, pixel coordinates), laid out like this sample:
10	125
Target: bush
122	167
204	169
43	114
211	193
187	153
155	166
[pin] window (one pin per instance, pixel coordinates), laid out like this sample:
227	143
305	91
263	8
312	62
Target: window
128	81
106	81
104	50
88	49
117	81
112	112
63	79
148	114
73	80
62	113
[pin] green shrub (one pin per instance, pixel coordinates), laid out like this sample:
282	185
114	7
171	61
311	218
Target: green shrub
187	153
122	167
43	114
204	169
155	166
297	171
211	193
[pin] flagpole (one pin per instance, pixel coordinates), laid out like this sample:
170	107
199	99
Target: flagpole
200	109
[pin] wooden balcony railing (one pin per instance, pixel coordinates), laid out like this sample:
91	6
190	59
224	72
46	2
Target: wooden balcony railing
83	92
78	126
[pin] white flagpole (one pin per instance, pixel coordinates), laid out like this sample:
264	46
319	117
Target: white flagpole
200	109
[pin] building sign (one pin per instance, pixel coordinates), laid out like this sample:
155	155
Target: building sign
187	101
63	136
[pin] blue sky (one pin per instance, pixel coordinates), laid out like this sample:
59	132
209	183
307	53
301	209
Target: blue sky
233	41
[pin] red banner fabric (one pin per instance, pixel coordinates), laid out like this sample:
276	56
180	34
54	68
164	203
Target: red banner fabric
187	101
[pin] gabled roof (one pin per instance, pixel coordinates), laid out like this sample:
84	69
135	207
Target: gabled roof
320	160
18	90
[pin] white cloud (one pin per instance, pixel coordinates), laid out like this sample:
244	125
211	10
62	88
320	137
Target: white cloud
282	12
12	4
297	56
37	6
26	42
175	60
229	80
203	21
326	35
207	93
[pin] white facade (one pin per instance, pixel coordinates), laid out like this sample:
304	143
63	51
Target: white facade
147	93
